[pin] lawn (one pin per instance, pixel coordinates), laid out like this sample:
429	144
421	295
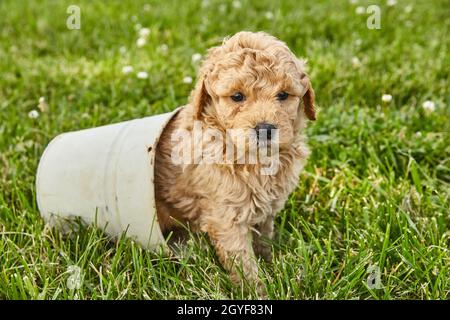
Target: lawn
373	197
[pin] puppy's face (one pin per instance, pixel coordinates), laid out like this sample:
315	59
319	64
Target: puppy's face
252	90
254	82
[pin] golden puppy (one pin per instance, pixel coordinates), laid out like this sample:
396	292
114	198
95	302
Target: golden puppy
252	81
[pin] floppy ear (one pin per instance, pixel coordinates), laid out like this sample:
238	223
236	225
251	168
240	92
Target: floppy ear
200	97
308	96
308	101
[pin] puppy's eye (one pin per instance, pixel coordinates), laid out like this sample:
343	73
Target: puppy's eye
282	96
237	97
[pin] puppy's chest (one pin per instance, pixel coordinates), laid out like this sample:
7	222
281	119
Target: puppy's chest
268	195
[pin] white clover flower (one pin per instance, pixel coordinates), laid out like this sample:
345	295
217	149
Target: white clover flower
386	98
164	47
144	32
237	4
127	69
33	114
353	1
122	49
408	8
429	106
391	3
142	75
269	15
141	42
196	57
187	79
356	62
360	10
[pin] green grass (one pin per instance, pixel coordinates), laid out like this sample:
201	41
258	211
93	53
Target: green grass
374	193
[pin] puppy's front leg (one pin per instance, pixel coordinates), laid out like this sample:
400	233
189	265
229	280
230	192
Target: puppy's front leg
265	233
234	248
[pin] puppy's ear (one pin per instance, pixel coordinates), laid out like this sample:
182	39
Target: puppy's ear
308	96
199	96
308	100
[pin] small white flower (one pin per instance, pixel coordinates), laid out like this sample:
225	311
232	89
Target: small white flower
127	69
144	32
196	57
122	49
429	106
353	1
33	114
418	134
147	7
408	8
358	42
360	10
187	79
164	47
386	98
142	75
237	4
141	42
42	100
391	3
269	15
356	62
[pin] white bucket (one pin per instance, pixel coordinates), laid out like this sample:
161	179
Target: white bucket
104	175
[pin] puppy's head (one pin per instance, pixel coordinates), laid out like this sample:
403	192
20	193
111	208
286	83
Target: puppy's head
253	81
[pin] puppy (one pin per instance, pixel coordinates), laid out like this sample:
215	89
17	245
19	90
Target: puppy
252	81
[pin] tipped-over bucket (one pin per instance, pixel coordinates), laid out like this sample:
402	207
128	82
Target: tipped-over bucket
104	175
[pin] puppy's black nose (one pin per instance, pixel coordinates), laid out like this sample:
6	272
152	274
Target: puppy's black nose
267	127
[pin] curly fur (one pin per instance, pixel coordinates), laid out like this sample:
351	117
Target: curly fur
234	204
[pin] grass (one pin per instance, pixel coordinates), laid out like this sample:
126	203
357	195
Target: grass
375	192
